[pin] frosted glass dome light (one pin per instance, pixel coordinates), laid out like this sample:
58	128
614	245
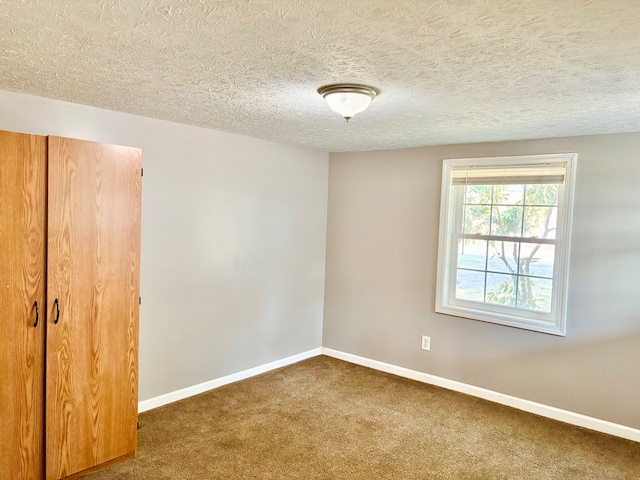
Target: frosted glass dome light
347	99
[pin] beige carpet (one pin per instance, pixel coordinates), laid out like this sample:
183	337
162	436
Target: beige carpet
328	419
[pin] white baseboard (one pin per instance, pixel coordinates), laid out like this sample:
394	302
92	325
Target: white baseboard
515	402
170	397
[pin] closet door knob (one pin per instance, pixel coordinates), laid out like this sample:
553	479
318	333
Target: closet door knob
35	305
57	304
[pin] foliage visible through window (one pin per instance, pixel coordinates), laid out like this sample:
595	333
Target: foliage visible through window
505	247
509	271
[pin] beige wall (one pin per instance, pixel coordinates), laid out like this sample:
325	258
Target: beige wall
382	240
233	240
233	260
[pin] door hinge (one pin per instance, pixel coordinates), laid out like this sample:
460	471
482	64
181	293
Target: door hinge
139	300
142	172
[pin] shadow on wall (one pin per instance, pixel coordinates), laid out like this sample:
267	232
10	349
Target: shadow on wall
575	377
605	289
595	369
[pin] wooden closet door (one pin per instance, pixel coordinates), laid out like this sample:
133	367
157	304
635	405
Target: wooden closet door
93	290
22	272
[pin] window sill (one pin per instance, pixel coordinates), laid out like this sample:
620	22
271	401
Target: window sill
512	320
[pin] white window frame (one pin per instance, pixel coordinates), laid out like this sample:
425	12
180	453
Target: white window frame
553	322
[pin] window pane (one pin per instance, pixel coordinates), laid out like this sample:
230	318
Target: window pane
478	194
508	194
472	254
540	222
503	257
470	285
541	195
501	289
535	293
537	259
476	219
507	221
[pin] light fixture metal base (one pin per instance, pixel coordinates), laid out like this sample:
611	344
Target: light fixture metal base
348	88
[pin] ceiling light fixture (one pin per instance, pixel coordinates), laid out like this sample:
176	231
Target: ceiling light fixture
348	98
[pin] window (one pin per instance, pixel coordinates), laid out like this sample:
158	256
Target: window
505	226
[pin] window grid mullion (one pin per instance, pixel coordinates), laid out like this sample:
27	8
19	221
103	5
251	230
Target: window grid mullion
469	269
518	272
486	269
486	258
524	201
551	205
498	238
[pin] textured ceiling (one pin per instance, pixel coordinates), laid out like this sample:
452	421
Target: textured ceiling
449	71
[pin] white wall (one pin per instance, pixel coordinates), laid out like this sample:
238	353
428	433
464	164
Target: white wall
382	244
233	240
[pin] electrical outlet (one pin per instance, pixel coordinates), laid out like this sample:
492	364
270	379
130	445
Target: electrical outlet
426	342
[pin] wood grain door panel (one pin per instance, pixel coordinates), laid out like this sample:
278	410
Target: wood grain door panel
22	267
93	272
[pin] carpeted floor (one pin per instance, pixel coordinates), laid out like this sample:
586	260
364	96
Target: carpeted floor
328	419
